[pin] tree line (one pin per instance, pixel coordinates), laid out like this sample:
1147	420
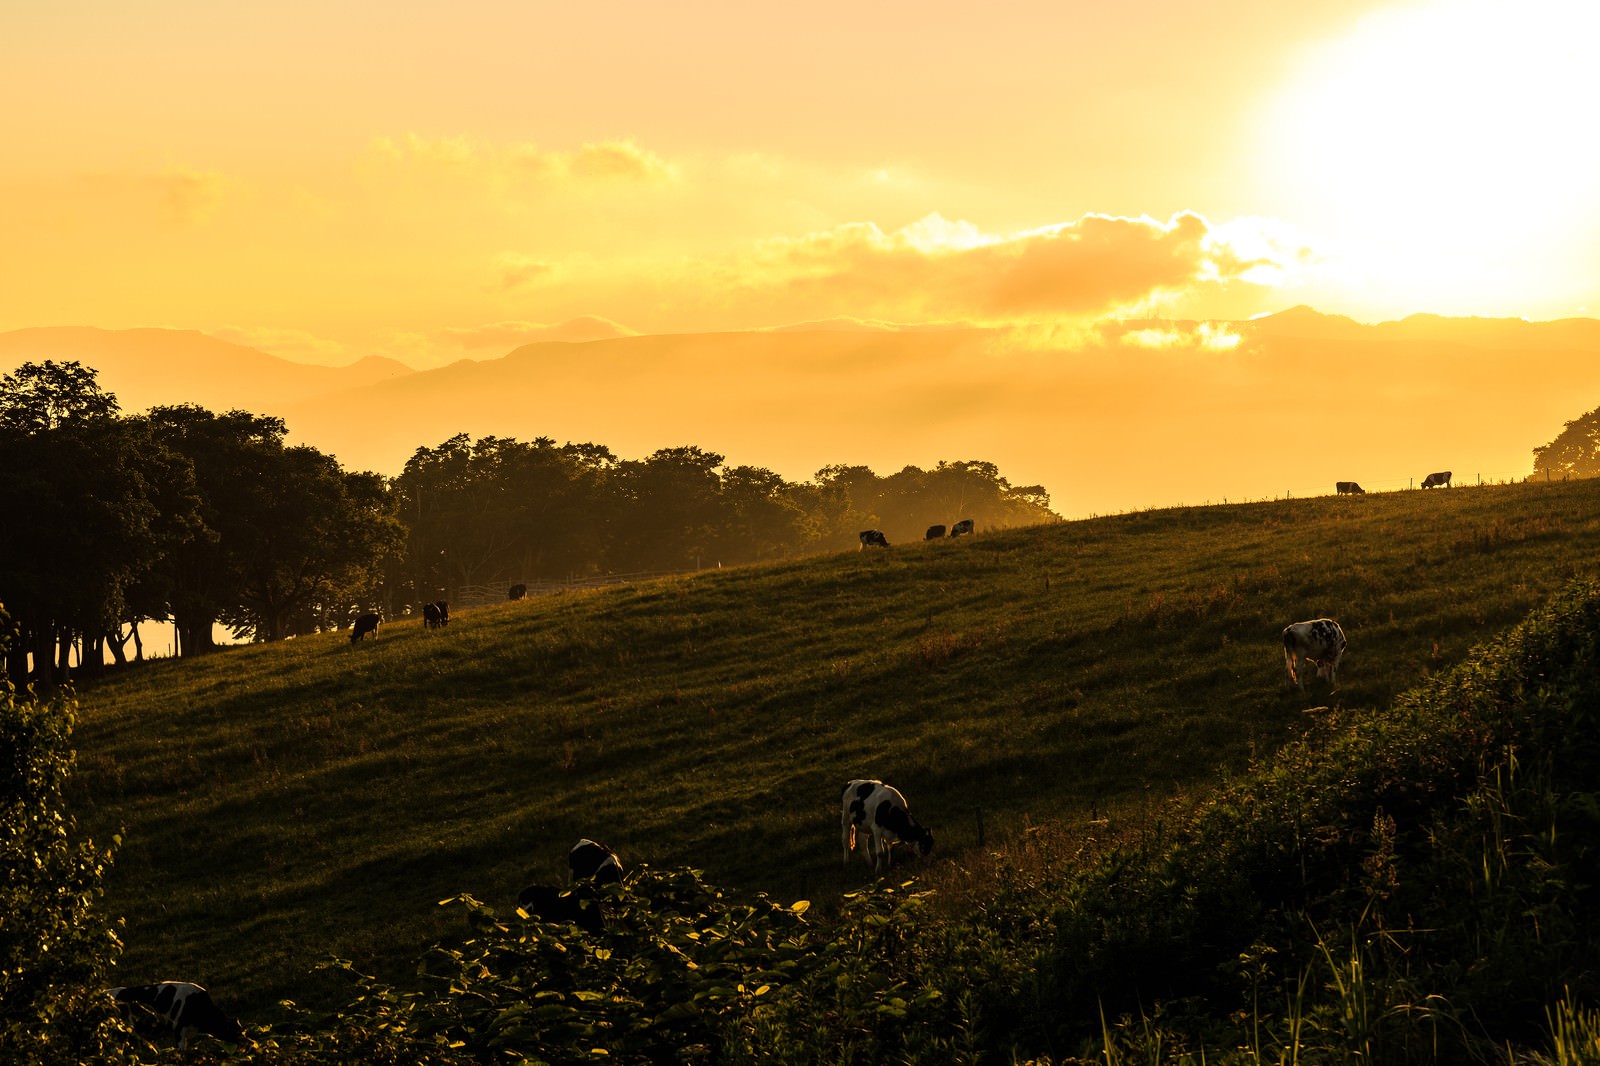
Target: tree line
203	520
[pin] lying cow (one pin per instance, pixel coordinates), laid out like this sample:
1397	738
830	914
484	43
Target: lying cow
578	906
435	614
1321	642
590	860
1442	478
961	528
873	537
1347	487
881	810
934	533
365	623
184	1009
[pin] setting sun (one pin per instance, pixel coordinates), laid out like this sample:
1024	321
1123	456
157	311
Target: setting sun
1440	149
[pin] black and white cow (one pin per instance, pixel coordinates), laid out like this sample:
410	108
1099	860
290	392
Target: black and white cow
961	528
1347	487
436	614
578	905
934	533
873	537
365	623
1321	642
880	811
590	860
184	1009
1435	480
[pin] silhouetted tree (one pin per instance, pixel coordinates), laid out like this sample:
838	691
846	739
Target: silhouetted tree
91	503
671	510
1574	453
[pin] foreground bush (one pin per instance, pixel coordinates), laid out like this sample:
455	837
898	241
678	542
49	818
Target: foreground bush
55	948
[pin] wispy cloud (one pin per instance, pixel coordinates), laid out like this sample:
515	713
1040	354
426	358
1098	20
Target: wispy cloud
598	161
503	335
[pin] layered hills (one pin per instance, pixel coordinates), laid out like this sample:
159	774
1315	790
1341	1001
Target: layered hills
1138	414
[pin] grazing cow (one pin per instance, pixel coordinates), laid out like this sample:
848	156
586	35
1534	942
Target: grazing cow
589	860
185	1008
961	527
1436	480
1321	642
934	533
436	614
882	810
519	592
1347	487
873	537
365	623
578	906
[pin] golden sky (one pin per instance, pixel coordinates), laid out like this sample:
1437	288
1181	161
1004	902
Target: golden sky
429	181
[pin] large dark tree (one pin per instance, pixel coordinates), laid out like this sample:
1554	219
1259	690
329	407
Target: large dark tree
308	543
90	504
673	516
1574	453
499	510
290	542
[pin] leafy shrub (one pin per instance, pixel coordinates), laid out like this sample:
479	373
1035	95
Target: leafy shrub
54	946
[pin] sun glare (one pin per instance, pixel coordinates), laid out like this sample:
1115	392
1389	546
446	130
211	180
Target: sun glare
1443	148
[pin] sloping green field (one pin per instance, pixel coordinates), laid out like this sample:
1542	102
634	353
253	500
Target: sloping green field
282	803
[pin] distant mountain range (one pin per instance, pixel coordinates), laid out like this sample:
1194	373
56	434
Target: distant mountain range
150	367
1147	416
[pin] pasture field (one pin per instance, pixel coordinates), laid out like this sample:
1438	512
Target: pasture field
282	803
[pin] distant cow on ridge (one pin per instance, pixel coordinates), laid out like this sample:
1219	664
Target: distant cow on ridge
873	537
365	623
436	614
962	527
1345	487
934	533
1442	478
519	592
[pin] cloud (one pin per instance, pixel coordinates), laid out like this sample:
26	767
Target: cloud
515	334
1098	265
190	197
611	161
518	270
1208	336
296	344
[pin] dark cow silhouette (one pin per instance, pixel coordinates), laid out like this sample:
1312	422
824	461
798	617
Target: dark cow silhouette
519	592
881	810
578	905
1320	641
1436	480
962	527
590	860
436	614
1343	487
873	537
934	533
365	623
183	1008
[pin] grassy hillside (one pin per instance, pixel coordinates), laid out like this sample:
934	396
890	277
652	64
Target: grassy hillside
281	803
